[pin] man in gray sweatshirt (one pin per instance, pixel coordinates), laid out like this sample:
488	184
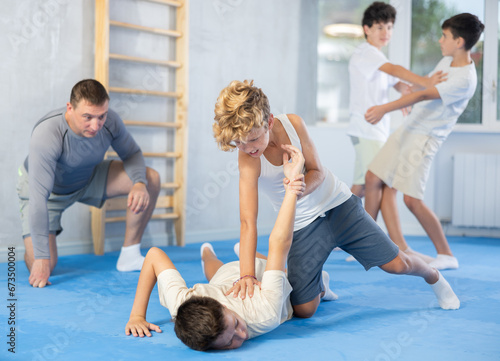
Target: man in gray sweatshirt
66	164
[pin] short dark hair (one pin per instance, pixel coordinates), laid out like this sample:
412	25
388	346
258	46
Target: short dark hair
465	25
379	12
90	90
199	322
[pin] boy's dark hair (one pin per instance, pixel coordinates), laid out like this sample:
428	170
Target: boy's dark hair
379	12
199	322
90	90
465	25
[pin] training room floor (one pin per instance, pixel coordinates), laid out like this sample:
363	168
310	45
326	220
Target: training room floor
378	316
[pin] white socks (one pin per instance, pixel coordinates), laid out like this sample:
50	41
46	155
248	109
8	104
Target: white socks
350	258
203	246
447	299
424	257
443	261
236	249
130	259
329	295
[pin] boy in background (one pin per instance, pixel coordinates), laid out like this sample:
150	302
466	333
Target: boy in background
371	77
404	162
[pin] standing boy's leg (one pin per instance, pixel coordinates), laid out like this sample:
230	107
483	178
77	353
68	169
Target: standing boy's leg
390	214
432	227
374	187
365	151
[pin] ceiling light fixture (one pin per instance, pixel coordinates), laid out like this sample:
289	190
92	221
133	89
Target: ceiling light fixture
344	30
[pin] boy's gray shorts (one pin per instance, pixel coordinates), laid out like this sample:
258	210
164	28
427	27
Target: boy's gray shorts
93	194
347	226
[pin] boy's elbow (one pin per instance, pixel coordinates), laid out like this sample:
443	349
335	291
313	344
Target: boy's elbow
279	239
419	97
321	174
247	224
429	94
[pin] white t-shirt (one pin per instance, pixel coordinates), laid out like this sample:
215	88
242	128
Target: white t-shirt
331	193
268	308
437	117
369	87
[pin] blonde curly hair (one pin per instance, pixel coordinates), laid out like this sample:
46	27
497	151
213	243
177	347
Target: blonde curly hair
240	107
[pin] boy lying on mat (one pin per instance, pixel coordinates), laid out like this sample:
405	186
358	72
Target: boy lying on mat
205	318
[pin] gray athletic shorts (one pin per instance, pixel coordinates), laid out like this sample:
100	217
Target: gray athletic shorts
347	226
93	194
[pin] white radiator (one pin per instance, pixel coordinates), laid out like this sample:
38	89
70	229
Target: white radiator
476	190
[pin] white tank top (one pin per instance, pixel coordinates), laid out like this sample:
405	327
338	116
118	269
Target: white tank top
331	193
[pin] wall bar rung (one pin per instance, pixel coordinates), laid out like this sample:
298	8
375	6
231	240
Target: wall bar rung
143	92
120	203
167	2
165	216
141	123
158	31
154	216
161	155
169	63
150	155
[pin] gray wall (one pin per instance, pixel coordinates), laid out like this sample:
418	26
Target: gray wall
49	47
271	42
45	48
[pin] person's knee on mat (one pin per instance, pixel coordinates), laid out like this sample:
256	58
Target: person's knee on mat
306	310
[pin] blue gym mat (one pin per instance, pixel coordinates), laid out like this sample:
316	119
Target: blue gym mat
378	316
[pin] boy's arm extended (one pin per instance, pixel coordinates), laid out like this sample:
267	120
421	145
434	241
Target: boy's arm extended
249	169
281	236
155	262
422	81
374	114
